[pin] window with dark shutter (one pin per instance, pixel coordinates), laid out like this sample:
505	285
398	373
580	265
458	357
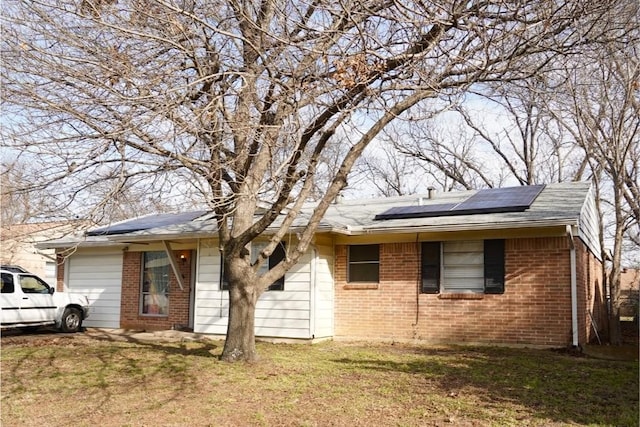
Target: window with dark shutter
494	266
430	268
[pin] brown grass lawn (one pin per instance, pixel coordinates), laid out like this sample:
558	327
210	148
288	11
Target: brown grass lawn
82	380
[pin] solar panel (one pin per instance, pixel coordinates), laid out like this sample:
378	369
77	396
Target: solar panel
492	200
509	199
147	222
415	211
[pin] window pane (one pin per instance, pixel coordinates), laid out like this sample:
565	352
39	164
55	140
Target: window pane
364	263
32	285
464	246
155	304
155	283
464	258
361	253
364	273
463	266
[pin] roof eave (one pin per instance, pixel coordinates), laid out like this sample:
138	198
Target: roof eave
355	231
139	238
77	244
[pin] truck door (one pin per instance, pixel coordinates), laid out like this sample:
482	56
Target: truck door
36	304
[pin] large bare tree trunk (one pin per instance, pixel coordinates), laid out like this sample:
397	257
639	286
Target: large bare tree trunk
244	290
240	342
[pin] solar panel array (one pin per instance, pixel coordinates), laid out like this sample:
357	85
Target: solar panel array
146	223
491	200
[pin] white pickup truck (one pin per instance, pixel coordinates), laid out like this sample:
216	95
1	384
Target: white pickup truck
29	302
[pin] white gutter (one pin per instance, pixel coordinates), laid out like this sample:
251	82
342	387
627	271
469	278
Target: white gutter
355	231
574	289
79	243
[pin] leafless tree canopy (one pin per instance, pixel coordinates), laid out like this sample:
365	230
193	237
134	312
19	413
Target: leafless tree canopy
242	99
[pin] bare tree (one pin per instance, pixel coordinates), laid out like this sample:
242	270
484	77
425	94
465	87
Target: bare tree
247	96
448	154
387	171
600	106
16	206
503	134
530	147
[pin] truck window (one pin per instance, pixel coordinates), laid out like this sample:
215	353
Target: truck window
7	283
33	285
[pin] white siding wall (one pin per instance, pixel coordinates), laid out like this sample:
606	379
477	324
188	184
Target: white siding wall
99	277
211	304
588	224
283	314
324	292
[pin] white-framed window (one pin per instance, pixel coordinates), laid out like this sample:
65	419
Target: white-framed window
156	274
364	263
463	266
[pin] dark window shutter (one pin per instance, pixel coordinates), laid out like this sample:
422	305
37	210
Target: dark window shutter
224	282
430	268
494	266
277	256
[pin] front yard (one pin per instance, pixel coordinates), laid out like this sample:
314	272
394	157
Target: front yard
87	381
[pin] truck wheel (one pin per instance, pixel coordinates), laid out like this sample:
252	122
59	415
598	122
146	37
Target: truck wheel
71	320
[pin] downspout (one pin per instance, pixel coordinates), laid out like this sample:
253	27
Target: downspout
313	294
574	289
418	284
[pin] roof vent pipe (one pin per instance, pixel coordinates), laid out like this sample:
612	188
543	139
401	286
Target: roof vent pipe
431	191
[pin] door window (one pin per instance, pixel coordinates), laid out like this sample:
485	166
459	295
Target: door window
33	285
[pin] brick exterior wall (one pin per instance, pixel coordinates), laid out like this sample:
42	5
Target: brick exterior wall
592	314
60	272
535	308
130	317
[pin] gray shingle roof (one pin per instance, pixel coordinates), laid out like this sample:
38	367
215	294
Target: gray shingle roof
557	205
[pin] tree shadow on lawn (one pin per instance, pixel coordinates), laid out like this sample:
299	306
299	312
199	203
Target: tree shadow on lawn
201	347
552	386
100	372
